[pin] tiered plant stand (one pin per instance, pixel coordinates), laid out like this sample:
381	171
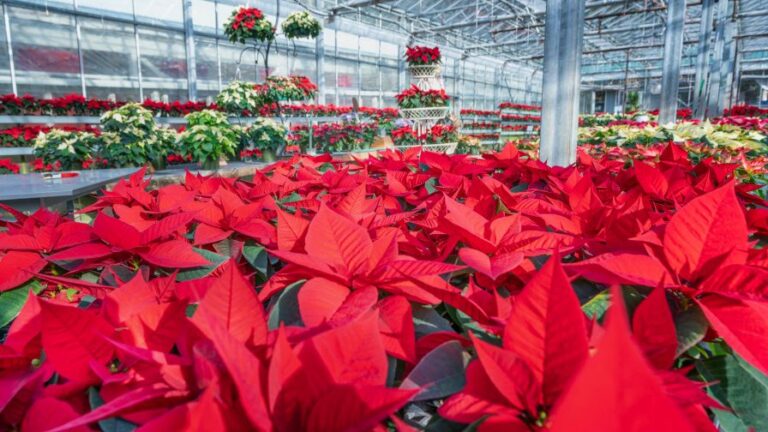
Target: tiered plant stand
427	77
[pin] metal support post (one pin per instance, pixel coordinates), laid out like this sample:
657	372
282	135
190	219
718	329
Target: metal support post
320	67
563	44
673	52
702	59
189	38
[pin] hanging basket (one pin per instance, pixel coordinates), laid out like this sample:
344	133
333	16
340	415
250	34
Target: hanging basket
432	113
447	148
425	71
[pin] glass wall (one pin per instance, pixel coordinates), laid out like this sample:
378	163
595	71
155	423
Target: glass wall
134	49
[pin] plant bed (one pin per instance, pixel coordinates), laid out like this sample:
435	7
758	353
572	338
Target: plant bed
409	288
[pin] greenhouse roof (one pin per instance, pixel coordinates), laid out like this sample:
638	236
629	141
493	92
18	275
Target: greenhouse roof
622	38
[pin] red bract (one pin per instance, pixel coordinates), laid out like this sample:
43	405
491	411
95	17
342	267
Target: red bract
420	55
403	291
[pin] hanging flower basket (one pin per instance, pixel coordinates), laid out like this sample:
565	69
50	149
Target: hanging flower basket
425	71
429	113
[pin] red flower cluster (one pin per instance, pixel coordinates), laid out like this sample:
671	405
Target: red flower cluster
682	113
420	55
481	125
251	154
8	167
746	110
630	122
177	159
521	117
754	123
520	127
175	108
246	17
484	136
95	163
414	97
38	165
479	113
22	136
518	107
327	295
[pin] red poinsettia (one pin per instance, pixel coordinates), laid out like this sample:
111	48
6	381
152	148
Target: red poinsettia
421	55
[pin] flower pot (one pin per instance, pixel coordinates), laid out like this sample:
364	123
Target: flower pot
210	165
268	155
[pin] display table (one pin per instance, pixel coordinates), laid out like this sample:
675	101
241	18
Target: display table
28	192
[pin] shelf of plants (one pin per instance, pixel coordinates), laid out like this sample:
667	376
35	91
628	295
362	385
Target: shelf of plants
407	290
484	125
519	120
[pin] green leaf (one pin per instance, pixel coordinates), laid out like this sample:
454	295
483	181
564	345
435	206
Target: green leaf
440	373
691	326
739	386
426	320
201	272
13	300
257	257
286	308
597	305
430	185
111	424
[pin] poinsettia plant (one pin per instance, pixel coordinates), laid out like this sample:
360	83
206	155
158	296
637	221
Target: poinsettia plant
422	56
208	138
248	24
265	134
301	24
415	97
69	148
132	137
239	98
287	88
8	167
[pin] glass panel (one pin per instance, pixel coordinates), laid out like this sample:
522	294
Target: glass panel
207	67
109	59
247	70
370	76
347	74
389	79
203	15
163	64
369	46
108	7
170	12
47	63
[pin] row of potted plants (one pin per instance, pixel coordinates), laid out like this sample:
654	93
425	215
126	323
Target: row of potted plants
131	137
479	113
437	134
24	136
333	137
521	117
415	97
518	107
746	110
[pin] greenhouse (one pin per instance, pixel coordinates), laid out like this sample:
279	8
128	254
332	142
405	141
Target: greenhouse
384	215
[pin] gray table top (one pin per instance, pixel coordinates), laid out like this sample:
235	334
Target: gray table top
30	186
17	151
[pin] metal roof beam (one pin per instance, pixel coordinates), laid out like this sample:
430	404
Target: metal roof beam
354	4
